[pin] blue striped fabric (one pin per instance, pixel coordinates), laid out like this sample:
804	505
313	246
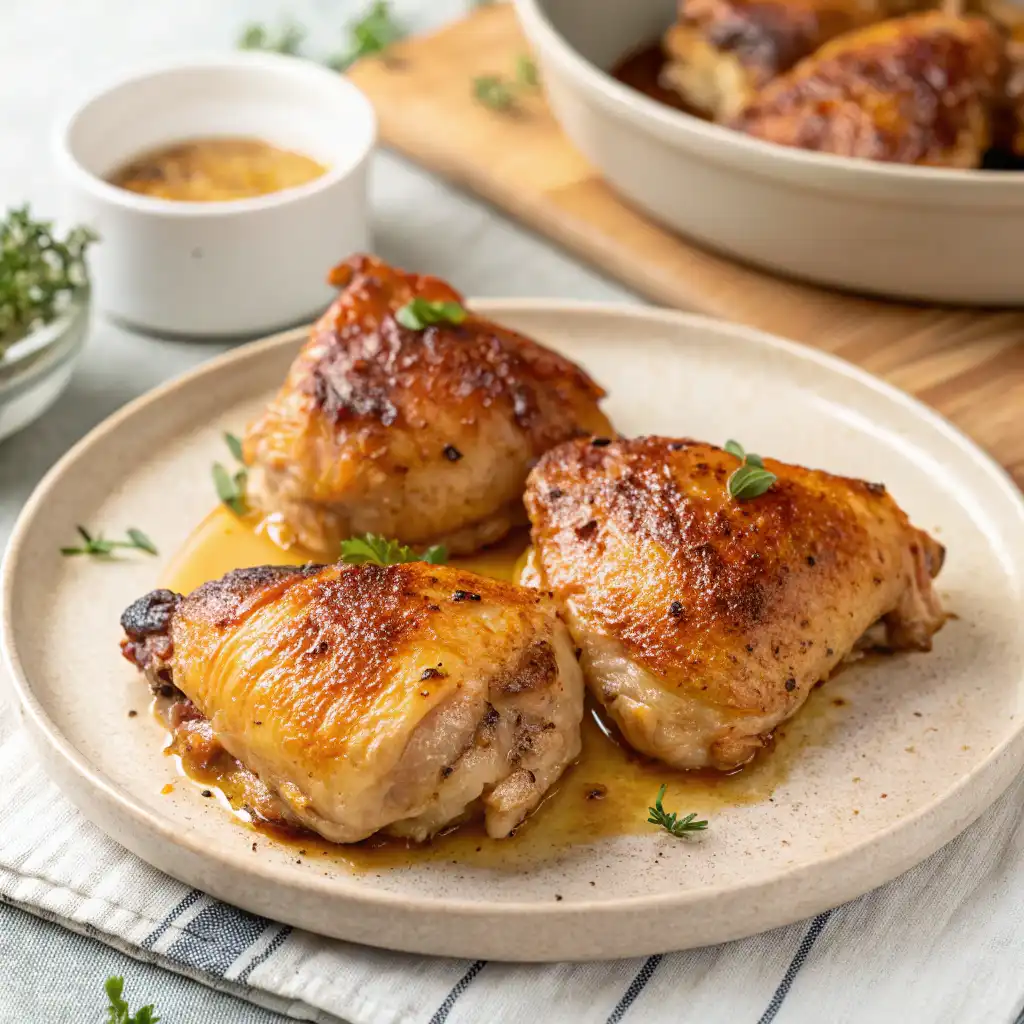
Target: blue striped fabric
944	943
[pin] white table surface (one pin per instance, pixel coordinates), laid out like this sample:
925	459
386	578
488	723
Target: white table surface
51	53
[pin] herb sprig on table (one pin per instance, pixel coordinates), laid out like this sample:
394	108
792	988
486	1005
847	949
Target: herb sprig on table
751	480
499	93
374	549
99	545
370	34
39	272
117	1009
670	821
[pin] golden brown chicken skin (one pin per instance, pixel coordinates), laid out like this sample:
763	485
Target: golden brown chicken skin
426	436
401	698
915	90
721	52
705	621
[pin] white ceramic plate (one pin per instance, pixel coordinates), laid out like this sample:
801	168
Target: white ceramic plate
939	734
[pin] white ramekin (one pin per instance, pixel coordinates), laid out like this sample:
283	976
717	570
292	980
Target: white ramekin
220	268
922	233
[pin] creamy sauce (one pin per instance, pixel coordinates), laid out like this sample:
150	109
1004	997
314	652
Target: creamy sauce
214	170
606	793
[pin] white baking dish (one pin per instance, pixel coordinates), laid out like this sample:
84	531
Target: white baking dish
914	233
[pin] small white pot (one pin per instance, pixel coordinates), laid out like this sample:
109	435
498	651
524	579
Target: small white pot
220	268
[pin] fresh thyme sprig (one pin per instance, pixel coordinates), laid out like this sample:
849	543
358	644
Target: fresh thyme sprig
370	34
498	93
420	313
231	486
379	550
99	545
751	480
288	38
670	821
39	272
117	1010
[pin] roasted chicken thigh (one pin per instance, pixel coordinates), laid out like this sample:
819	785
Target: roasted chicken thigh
720	53
425	435
923	89
401	698
704	620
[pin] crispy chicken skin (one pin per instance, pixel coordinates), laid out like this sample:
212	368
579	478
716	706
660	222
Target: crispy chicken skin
400	698
426	436
705	621
915	90
721	52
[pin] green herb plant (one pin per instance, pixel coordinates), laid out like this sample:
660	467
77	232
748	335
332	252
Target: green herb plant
376	550
99	545
751	480
421	313
117	1010
39	273
231	486
670	821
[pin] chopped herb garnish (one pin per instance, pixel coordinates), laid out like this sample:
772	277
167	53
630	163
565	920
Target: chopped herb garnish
38	273
286	40
231	486
117	1010
99	545
234	443
422	313
526	72
379	550
751	480
671	822
493	92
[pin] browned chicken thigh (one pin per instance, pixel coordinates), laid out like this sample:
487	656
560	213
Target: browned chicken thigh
401	698
722	52
916	90
704	620
425	435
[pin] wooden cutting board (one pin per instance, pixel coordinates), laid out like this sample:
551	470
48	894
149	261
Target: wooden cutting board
968	364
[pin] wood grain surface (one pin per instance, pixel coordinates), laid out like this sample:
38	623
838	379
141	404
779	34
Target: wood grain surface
968	364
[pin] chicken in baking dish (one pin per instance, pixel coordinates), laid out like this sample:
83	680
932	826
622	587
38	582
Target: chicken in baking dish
923	89
423	431
720	53
401	698
705	620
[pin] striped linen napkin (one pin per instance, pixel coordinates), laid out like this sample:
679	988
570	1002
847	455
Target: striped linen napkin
944	943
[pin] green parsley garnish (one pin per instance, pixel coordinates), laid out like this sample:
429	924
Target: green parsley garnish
379	550
751	480
493	92
117	1011
286	40
671	822
38	273
422	313
231	487
498	93
526	72
99	545
373	33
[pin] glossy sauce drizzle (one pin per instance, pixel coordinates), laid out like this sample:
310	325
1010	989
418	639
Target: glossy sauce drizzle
606	793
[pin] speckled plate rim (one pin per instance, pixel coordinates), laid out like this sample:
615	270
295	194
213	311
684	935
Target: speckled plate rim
791	894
